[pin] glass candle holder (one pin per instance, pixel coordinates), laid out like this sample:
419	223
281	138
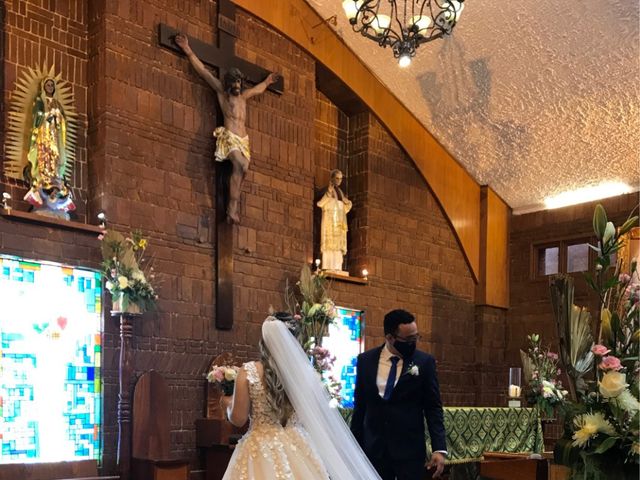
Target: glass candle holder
515	379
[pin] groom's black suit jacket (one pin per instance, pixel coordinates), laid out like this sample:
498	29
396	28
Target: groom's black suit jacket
394	428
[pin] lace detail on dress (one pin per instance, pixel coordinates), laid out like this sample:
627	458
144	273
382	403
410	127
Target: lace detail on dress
261	412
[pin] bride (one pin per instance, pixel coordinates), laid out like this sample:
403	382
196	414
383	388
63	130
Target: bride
293	434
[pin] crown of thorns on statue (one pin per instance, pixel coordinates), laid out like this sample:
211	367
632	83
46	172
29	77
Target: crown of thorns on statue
232	76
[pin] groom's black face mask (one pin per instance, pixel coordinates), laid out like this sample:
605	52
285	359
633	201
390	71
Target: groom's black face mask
405	349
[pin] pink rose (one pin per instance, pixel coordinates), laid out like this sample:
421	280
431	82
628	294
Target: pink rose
218	374
600	350
552	356
624	278
610	363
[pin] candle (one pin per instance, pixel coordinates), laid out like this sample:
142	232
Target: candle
514	391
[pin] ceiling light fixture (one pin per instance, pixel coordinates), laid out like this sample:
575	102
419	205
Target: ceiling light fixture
587	194
403	25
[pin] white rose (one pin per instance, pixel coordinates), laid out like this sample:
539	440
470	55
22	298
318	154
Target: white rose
123	282
230	375
612	384
109	286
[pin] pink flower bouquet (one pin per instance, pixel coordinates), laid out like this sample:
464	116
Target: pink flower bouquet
225	376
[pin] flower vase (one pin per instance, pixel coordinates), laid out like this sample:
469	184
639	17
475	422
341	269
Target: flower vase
132	307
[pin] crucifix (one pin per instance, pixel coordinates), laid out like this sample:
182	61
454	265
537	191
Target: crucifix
231	143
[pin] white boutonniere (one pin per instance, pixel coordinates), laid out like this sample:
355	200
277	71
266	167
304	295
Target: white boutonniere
413	369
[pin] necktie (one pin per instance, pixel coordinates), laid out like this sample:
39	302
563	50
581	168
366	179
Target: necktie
391	380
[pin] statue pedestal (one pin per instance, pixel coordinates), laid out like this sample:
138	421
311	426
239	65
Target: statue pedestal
342	273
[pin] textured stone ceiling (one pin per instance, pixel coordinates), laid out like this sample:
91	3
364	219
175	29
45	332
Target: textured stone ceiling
533	98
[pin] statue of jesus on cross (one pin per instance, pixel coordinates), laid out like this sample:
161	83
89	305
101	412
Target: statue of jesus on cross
232	140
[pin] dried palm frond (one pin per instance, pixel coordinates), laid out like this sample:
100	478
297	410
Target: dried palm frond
574	332
581	340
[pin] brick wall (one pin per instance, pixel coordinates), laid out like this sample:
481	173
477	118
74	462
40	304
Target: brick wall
530	298
404	241
158	175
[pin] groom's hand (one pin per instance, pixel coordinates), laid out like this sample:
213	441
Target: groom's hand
437	462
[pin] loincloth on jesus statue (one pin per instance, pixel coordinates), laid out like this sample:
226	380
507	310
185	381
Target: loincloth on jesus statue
227	142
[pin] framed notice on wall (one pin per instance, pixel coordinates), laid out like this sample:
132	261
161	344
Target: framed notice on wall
345	342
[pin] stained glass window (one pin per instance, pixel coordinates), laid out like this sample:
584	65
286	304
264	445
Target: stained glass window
345	343
50	359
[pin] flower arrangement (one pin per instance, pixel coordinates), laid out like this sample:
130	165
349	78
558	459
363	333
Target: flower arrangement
541	372
314	309
224	376
603	420
126	271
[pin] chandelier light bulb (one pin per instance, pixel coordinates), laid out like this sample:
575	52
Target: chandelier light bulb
458	7
365	272
421	22
381	23
351	7
404	61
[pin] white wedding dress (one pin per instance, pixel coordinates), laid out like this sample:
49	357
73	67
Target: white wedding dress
269	451
316	443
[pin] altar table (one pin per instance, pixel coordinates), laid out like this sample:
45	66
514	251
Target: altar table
474	430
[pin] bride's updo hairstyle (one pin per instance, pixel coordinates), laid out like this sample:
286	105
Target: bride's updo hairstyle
276	396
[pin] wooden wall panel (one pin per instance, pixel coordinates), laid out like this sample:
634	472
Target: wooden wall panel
456	191
493	285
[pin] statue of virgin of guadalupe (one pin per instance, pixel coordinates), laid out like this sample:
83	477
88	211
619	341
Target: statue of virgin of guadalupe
333	231
41	142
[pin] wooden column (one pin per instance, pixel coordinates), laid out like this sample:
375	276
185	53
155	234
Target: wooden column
125	373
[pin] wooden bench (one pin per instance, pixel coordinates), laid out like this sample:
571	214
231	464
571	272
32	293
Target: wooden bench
150	455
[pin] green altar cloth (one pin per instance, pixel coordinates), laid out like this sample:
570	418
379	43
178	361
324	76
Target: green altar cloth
474	430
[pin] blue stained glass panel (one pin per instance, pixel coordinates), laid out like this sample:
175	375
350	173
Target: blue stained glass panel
345	343
50	388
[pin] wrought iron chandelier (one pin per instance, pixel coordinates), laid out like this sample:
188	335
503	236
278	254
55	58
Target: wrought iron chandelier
403	25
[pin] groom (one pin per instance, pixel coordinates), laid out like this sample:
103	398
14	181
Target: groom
396	388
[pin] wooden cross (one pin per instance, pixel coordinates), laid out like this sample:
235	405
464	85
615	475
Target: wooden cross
222	56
